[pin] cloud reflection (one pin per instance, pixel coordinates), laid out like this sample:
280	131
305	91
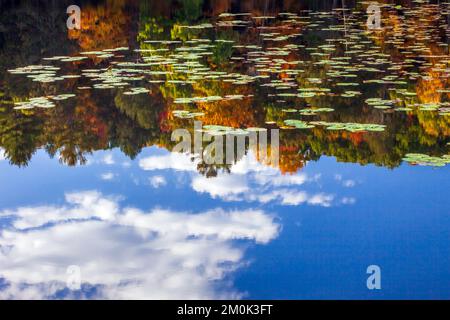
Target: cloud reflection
249	180
124	252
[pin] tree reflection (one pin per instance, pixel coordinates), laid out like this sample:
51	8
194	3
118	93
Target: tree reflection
109	119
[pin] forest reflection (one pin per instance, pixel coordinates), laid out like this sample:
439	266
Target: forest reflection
415	49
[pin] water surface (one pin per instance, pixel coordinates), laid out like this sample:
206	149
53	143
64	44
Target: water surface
90	181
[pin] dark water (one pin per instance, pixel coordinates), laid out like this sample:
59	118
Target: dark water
95	203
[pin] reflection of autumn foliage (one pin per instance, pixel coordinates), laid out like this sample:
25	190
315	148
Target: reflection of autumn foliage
234	113
291	160
434	125
413	31
103	26
104	120
88	111
255	7
420	29
75	131
427	89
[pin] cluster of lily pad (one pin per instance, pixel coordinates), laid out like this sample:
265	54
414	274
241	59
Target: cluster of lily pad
135	91
208	99
185	114
309	111
314	111
334	69
39	102
39	73
350	126
426	160
217	130
378	103
298	124
61	97
42	102
65	58
441	108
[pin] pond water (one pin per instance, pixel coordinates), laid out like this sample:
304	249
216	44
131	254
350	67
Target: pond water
98	204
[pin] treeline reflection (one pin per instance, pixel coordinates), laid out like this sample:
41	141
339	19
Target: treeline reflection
106	119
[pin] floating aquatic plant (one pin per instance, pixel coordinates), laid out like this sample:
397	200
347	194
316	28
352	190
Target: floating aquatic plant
135	91
350	126
314	111
39	102
298	124
426	160
184	114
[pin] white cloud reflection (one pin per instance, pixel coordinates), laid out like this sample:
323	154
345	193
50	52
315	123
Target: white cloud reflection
157	181
107	176
125	253
174	161
108	159
249	180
